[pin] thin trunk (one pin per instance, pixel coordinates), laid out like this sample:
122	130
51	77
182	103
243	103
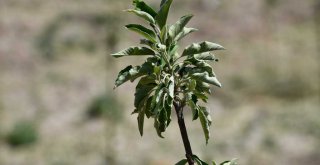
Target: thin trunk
184	134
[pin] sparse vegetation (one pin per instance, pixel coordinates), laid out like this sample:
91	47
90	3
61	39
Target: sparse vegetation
105	106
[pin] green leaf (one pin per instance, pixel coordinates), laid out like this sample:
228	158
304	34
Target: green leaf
147	42
232	162
163	117
202	47
140	5
134	51
148	80
162	15
182	162
148	109
201	95
140	119
171	87
204	76
156	98
192	85
128	73
198	160
178	27
200	66
205	120
193	105
168	106
143	90
207	56
157	127
184	33
206	67
203	87
162	2
143	15
132	73
173	50
163	34
149	34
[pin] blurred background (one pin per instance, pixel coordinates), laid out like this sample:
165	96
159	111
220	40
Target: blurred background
57	105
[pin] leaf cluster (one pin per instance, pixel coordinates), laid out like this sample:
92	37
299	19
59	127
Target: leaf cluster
200	162
167	76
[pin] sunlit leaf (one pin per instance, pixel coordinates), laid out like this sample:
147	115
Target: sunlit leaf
143	15
140	5
204	76
149	34
132	73
184	33
207	56
202	47
134	51
171	87
178	27
126	74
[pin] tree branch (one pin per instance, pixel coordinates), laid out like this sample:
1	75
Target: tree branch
179	111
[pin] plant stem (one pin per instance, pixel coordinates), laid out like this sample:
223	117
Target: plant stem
183	131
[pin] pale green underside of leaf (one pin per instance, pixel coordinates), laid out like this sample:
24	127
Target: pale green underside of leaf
202	47
134	51
204	76
184	33
178	27
149	34
143	15
207	56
